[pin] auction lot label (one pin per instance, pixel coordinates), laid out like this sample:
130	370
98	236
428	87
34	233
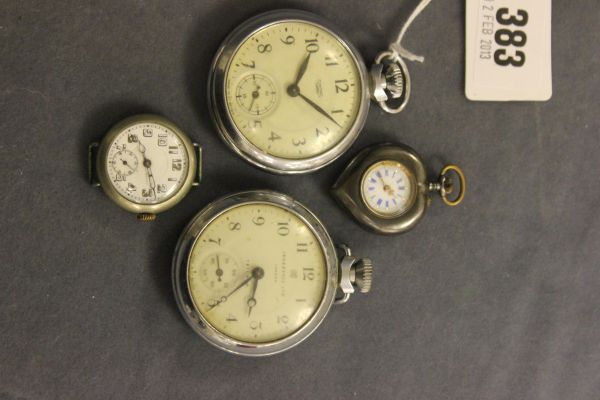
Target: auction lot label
508	50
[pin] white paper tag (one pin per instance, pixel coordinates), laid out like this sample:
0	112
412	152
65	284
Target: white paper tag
508	50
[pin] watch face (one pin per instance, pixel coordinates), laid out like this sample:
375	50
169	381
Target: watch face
257	273
293	89
388	188
147	163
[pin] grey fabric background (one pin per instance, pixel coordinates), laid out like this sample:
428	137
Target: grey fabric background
496	299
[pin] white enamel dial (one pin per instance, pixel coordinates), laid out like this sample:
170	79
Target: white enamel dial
269	278
293	89
147	163
387	188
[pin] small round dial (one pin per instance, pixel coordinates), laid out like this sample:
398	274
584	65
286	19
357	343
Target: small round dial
217	270
147	163
275	280
124	162
316	81
256	94
387	188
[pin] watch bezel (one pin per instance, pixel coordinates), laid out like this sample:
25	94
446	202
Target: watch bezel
180	266
412	182
228	130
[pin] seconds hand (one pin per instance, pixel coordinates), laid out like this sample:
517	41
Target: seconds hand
126	164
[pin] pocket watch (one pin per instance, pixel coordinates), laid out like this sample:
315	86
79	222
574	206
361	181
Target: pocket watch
255	273
385	187
289	93
145	164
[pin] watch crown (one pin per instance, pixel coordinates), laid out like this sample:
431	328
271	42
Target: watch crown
363	274
394	78
354	274
145	217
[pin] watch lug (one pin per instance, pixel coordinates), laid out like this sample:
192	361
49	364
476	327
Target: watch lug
92	173
199	160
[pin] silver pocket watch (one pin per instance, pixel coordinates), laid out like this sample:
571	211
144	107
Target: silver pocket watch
385	188
289	92
255	273
145	164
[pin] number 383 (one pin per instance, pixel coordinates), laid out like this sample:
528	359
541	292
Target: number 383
506	37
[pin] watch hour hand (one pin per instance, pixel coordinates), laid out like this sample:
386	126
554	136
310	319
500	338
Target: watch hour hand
302	69
257	274
252	300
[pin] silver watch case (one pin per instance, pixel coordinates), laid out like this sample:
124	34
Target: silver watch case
347	188
227	128
182	257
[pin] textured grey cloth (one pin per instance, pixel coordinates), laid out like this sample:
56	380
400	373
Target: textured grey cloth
496	299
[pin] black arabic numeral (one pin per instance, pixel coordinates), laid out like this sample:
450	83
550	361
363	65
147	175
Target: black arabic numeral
341	85
506	37
274	137
502	59
300	142
288	40
320	132
253	65
312	45
235	226
283	229
504	18
308	274
264	48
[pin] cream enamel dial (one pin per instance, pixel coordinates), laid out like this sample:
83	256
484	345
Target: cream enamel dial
293	89
288	92
257	273
147	163
388	188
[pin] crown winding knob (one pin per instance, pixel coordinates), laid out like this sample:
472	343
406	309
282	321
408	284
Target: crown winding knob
363	274
355	273
394	78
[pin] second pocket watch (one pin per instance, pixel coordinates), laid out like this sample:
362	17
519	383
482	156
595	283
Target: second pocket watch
255	273
289	93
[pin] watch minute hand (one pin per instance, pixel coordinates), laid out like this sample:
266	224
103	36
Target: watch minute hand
318	108
232	292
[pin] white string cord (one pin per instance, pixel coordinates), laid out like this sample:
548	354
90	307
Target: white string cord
397	47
